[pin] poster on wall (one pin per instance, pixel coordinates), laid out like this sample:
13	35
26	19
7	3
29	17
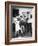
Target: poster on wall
21	22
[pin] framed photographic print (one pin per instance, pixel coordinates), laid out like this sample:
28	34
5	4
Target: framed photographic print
20	22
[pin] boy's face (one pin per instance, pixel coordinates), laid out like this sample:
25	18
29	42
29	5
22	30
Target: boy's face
23	16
